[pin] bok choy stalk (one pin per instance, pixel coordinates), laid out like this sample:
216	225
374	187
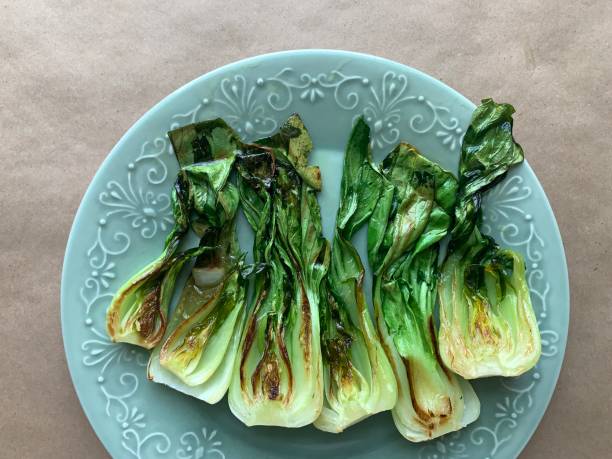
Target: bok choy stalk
277	378
487	323
197	353
410	219
358	377
137	313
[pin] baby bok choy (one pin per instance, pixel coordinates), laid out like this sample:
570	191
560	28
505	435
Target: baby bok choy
277	378
404	234
487	323
358	377
196	355
138	311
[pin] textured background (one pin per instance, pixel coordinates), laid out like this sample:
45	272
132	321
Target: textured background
75	75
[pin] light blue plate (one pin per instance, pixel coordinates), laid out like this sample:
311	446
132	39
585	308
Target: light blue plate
125	215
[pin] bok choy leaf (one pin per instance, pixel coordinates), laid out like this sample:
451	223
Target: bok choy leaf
359	380
138	311
404	234
487	323
278	377
196	355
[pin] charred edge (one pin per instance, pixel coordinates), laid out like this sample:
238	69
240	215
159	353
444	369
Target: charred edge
255	377
427	419
434	341
248	343
112	317
271	379
250	336
386	348
280	336
150	312
424	417
306	329
165	349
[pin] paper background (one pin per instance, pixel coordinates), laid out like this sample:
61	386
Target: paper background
75	75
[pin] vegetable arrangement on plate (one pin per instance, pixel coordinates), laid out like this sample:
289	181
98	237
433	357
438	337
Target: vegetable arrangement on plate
303	347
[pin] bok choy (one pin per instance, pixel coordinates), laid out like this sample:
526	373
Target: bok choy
277	378
487	323
404	234
196	355
358	377
139	309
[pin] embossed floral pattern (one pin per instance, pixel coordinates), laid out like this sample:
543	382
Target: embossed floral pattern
312	88
448	447
101	351
242	108
200	446
147	211
383	111
136	205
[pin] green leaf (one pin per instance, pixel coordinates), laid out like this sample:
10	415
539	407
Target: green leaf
359	380
487	323
295	144
205	141
410	219
487	153
278	378
207	182
361	183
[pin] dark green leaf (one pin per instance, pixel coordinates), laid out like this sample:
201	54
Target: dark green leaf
487	153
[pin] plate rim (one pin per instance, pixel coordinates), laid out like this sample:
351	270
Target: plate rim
143	119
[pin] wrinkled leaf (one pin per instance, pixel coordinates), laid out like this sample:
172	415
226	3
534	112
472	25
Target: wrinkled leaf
403	246
487	152
487	323
203	142
359	380
294	142
278	378
199	347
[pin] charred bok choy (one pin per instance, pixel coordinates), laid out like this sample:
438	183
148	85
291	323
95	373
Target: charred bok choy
197	353
139	309
277	378
404	234
487	323
358	377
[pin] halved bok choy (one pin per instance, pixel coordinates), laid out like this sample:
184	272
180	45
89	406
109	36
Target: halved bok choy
409	221
138	311
487	323
277	377
359	380
196	355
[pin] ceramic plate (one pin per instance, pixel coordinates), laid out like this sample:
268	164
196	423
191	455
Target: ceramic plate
125	215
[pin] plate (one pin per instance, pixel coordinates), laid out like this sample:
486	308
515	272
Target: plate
125	215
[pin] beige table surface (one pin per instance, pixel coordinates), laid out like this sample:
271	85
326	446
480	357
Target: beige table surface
74	75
